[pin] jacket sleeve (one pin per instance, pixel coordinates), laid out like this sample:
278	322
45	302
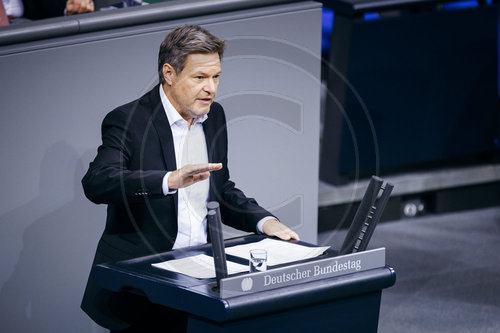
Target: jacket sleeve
109	178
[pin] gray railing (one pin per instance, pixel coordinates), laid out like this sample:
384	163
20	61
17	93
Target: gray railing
126	17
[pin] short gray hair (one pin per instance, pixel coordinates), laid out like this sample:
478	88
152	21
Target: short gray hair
183	41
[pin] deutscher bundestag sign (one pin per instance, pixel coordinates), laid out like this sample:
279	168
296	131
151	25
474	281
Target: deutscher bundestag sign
304	272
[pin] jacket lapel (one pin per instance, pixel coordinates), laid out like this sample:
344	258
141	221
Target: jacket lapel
162	127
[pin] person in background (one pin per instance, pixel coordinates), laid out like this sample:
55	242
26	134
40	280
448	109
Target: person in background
3	16
19	11
10	10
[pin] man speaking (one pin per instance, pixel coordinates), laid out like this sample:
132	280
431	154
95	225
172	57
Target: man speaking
162	158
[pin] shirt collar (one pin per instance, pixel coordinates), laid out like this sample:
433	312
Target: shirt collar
172	114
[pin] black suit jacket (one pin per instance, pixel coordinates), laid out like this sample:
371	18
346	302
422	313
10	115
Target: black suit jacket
136	152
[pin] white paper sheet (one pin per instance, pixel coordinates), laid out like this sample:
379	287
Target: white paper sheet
278	252
200	266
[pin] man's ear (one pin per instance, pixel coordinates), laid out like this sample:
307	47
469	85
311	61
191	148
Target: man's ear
168	74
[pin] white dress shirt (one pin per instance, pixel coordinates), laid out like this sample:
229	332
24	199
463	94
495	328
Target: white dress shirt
190	148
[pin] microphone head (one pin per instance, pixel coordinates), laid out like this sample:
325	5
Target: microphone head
212	205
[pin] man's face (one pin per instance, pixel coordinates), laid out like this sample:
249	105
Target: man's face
193	90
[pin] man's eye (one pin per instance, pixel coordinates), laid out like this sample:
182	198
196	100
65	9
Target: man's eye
199	77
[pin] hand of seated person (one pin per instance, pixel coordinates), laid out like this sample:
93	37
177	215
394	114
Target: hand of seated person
79	6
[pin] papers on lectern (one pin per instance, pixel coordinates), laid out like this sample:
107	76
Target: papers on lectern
278	252
200	266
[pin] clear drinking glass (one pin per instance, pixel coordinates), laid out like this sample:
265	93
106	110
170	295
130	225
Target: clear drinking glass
258	260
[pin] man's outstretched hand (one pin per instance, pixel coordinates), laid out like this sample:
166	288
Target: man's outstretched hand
274	227
190	174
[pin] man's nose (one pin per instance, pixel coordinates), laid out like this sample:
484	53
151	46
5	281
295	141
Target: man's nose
210	86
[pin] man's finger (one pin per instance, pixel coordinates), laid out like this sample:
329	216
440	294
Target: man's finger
294	235
201	176
287	235
275	228
193	169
